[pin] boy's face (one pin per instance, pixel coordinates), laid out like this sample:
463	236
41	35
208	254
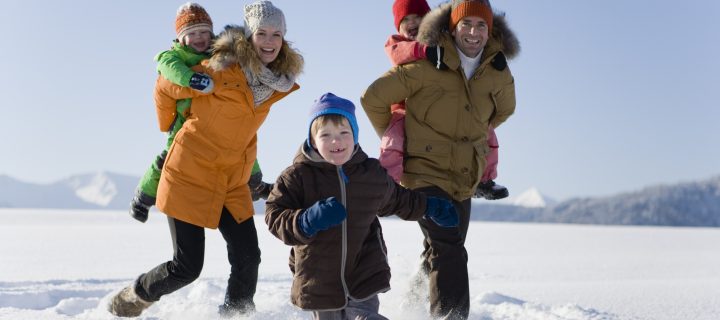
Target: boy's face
471	35
267	42
409	26
334	142
198	40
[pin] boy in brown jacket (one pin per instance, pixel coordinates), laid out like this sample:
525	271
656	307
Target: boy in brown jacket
326	205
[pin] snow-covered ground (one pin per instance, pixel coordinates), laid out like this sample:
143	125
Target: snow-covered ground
63	264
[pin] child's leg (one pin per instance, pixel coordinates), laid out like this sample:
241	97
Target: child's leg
366	309
328	315
487	188
490	172
146	191
392	145
149	182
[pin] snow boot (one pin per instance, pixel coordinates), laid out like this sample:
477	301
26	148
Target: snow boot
231	310
491	191
140	206
127	303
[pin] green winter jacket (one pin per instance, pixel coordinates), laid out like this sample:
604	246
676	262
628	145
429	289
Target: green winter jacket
174	65
447	116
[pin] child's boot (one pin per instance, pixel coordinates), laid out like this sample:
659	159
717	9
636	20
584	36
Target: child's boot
140	206
491	191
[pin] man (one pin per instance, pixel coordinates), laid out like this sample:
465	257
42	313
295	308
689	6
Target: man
463	87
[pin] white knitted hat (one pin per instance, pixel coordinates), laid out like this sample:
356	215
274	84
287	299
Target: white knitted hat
263	13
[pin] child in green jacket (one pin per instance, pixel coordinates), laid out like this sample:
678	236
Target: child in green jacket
194	38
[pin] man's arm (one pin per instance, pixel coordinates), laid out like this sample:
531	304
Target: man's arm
395	85
505	103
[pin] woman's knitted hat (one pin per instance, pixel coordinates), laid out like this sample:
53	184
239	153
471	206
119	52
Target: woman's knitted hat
402	8
332	104
190	17
263	14
465	8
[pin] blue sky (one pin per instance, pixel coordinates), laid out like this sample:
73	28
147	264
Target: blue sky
611	96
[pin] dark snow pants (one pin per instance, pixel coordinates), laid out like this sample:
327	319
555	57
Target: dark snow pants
445	261
188	256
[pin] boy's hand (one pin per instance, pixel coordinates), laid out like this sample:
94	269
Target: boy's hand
442	212
201	82
322	215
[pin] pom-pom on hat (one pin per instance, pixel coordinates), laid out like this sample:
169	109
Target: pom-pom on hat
402	8
465	8
332	104
263	14
191	16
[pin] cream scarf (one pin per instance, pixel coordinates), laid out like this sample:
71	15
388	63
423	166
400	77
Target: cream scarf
265	83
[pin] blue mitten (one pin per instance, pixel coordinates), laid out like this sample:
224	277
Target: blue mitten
442	212
321	216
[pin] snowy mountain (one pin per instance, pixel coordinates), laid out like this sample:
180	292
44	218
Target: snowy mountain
684	204
532	198
102	190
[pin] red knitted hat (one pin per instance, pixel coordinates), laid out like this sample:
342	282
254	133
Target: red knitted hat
191	16
402	8
465	8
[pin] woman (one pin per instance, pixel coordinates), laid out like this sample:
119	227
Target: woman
204	179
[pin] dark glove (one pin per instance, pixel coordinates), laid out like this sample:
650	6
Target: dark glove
321	216
442	212
435	55
259	189
140	206
201	82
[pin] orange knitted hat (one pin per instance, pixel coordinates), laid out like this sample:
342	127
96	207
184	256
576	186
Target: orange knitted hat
191	16
465	8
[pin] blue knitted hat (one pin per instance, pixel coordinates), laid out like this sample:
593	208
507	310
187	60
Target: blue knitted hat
332	104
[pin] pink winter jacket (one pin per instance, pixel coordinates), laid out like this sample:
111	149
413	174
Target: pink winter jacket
400	50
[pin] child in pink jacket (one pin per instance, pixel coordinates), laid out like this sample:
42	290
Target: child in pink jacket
403	48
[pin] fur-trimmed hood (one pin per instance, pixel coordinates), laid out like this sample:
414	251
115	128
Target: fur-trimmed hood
232	47
437	21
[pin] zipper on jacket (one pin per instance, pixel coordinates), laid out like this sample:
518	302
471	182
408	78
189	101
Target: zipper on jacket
343	197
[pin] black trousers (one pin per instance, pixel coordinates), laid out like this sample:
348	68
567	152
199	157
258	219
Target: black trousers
189	254
445	261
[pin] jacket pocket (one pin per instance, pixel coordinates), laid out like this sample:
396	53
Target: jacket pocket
197	147
428	157
191	164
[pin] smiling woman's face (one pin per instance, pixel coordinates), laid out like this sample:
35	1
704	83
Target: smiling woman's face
267	42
